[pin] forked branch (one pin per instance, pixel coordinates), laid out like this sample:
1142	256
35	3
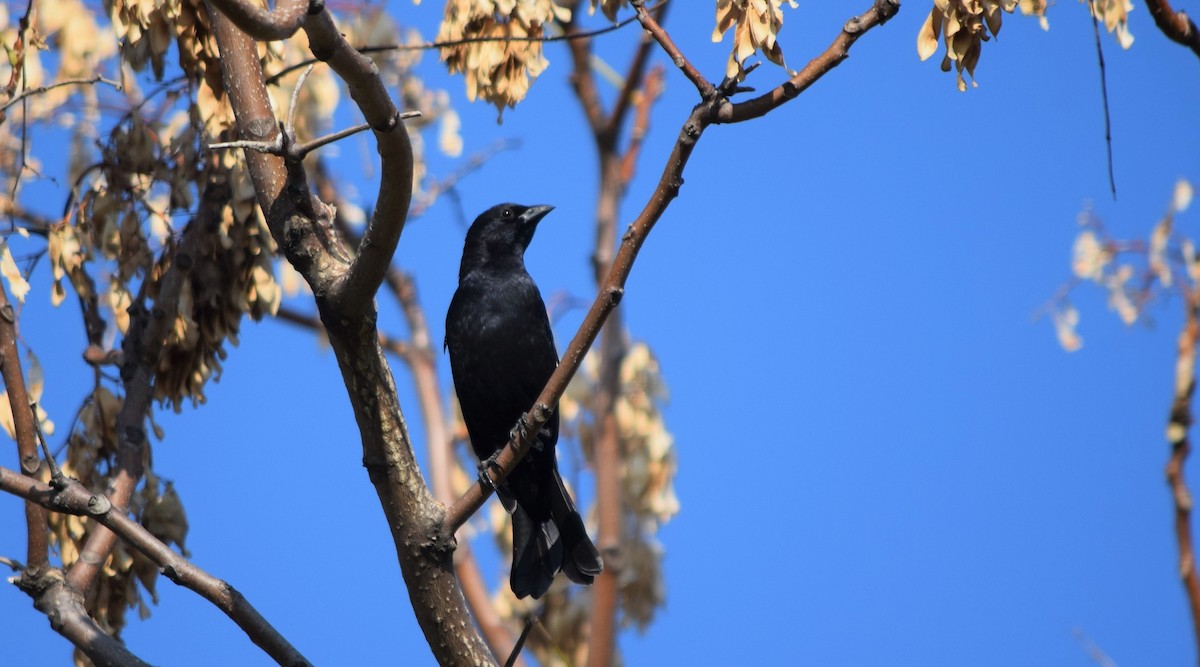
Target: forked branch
66	495
714	108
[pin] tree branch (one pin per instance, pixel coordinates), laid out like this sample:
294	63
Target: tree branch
30	92
816	68
1177	433
703	86
420	357
147	334
429	46
265	24
356	290
37	550
344	288
606	301
63	605
633	79
69	496
1175	24
713	109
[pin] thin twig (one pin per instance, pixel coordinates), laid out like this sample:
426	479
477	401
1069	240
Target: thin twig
712	109
426	46
831	57
1093	651
703	85
37	424
13	564
516	652
291	117
82	81
1112	182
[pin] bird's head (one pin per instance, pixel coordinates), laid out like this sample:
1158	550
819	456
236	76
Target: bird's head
503	231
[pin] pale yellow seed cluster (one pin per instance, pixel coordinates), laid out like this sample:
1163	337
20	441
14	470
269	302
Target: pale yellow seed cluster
496	45
756	25
1115	15
963	25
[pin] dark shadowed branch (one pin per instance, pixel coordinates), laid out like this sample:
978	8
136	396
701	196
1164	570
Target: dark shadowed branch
264	24
63	605
66	495
1175	24
149	329
344	285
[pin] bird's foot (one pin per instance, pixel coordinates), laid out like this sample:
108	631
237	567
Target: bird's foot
521	431
485	478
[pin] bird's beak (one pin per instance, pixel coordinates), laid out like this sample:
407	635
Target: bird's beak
534	214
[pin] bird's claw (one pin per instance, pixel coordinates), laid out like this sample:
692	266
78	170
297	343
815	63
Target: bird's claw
484	477
521	431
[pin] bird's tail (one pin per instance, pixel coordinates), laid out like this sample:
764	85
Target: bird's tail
581	561
559	542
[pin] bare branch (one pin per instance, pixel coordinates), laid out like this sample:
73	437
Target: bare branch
816	68
69	496
54	596
354	293
703	86
429	46
25	425
345	288
255	122
30	92
144	341
633	79
265	24
313	323
1175	24
1177	432
715	108
641	124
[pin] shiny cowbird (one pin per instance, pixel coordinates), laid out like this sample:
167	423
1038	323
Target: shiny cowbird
501	355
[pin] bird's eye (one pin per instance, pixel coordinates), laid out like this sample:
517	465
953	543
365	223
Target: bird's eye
507	213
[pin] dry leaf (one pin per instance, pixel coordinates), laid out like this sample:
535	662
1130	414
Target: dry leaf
16	282
1066	319
1183	196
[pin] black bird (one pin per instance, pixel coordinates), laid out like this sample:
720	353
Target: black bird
501	355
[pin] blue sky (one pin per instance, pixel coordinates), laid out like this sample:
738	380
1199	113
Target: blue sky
883	459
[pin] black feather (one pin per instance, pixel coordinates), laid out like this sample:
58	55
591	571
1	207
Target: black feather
501	355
